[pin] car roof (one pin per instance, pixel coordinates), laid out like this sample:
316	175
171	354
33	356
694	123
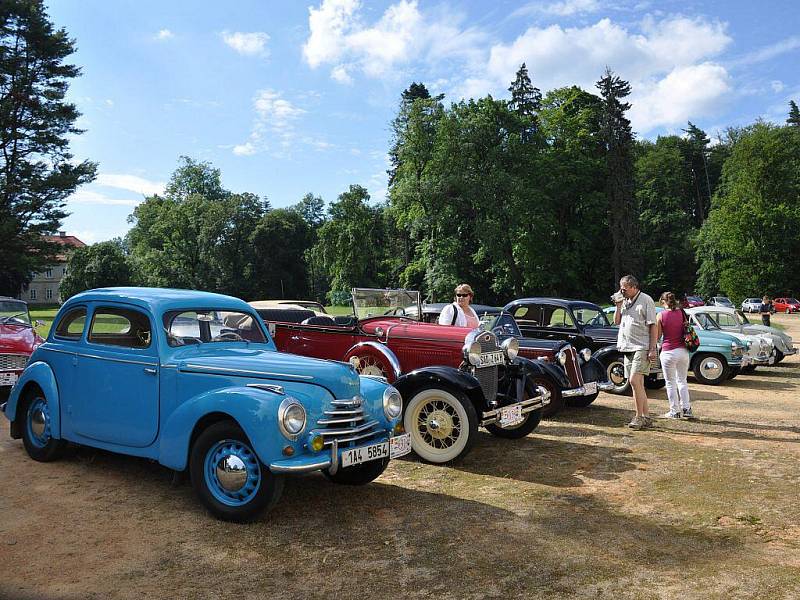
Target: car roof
161	299
558	301
702	309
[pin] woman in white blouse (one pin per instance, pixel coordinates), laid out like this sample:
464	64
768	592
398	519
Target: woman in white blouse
460	313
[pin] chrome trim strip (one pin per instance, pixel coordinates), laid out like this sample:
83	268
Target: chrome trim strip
355	438
340	421
347	403
345	430
344	412
49	349
205	369
169	366
322	464
334	458
268	387
119	360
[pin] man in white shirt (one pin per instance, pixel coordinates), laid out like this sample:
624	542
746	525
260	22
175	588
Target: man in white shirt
637	337
460	313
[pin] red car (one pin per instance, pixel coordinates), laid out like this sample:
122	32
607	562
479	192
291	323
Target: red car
787	305
18	340
692	301
452	379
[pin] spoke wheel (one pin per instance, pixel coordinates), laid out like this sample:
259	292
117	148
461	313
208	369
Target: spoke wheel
442	425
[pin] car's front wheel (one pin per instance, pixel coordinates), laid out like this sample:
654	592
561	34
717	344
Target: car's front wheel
228	477
615	373
359	474
711	369
36	431
530	420
779	356
443	424
556	399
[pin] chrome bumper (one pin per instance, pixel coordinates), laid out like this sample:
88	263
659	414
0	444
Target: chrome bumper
306	463
582	391
790	351
542	399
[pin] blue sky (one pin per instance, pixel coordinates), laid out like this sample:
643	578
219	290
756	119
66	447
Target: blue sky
293	97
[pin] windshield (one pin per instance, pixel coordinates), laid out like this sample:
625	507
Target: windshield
792	301
375	303
14	313
210	326
694	299
590	317
502	324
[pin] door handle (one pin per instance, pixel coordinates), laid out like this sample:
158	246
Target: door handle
150	370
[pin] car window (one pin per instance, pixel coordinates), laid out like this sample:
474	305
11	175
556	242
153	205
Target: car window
590	317
208	326
113	326
529	315
555	316
71	325
726	320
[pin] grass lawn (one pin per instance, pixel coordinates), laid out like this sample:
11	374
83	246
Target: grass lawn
45	314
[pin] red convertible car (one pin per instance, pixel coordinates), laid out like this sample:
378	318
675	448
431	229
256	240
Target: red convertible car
453	379
18	340
786	305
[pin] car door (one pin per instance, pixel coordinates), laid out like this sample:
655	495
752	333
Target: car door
558	323
529	320
116	378
62	356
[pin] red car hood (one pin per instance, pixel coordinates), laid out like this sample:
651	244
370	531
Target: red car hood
413	329
17	339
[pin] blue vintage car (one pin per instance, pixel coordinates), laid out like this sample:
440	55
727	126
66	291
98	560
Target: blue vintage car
193	381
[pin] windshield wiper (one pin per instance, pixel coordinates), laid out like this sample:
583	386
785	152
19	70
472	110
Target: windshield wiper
9	317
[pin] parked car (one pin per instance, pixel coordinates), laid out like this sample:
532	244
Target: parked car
692	301
576	378
192	380
720	301
735	321
311	305
720	356
453	379
18	340
431	311
786	305
759	348
751	305
584	325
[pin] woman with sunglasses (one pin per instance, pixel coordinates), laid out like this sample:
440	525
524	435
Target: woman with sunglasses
460	313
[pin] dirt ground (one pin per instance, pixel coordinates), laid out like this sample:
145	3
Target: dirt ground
583	507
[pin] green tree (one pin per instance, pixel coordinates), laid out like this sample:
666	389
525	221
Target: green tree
280	242
696	151
312	209
618	139
794	114
195	178
101	265
37	172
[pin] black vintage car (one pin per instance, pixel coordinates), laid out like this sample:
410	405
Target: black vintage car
572	377
582	324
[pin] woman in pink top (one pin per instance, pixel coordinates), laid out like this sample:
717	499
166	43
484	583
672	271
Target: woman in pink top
674	356
460	313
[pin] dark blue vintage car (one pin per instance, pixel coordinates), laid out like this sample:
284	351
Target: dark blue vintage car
193	381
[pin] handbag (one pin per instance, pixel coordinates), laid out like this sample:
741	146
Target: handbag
690	340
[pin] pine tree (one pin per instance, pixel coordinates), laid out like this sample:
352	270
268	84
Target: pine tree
623	210
794	114
697	159
36	169
525	98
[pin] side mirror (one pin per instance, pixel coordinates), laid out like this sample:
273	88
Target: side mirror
38	323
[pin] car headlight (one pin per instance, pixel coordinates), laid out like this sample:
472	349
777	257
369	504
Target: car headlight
392	403
562	358
748	344
511	348
586	354
291	418
735	346
472	353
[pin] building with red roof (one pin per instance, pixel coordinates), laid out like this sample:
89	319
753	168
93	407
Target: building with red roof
45	286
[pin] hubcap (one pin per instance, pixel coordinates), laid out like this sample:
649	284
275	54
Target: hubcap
231	473
38	422
616	373
438	424
367	365
711	368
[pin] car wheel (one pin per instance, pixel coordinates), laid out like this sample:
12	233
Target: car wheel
748	369
615	373
710	369
556	399
779	356
370	364
359	474
582	401
651	383
36	433
531	420
228	477
443	425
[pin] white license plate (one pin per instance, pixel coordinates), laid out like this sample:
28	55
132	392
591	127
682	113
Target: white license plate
491	359
590	387
8	378
511	415
356	456
400	445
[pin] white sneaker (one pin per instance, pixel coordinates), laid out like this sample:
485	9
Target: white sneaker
671	415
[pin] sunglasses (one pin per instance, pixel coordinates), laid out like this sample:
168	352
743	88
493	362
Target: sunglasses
463	295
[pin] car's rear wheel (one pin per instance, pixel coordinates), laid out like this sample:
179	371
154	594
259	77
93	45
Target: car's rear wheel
653	383
359	474
530	421
36	430
372	364
615	373
710	369
443	424
228	477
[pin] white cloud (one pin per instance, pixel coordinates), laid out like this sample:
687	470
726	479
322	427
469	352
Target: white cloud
92	197
249	44
562	9
275	118
777	86
131	183
164	34
338	36
771	51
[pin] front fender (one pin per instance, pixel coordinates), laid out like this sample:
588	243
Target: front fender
255	410
440	376
605	354
593	370
539	367
391	357
42	375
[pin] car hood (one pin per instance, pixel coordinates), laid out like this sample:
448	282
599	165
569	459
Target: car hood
763	329
17	339
404	328
603	334
340	378
539	344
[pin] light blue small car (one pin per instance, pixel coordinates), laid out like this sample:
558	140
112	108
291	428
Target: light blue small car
193	381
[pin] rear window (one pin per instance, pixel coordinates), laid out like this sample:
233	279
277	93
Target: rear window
124	327
71	325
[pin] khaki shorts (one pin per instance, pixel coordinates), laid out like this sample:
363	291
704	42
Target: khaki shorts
636	362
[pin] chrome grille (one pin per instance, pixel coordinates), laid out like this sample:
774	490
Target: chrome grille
346	423
13	361
488	342
572	368
487	376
